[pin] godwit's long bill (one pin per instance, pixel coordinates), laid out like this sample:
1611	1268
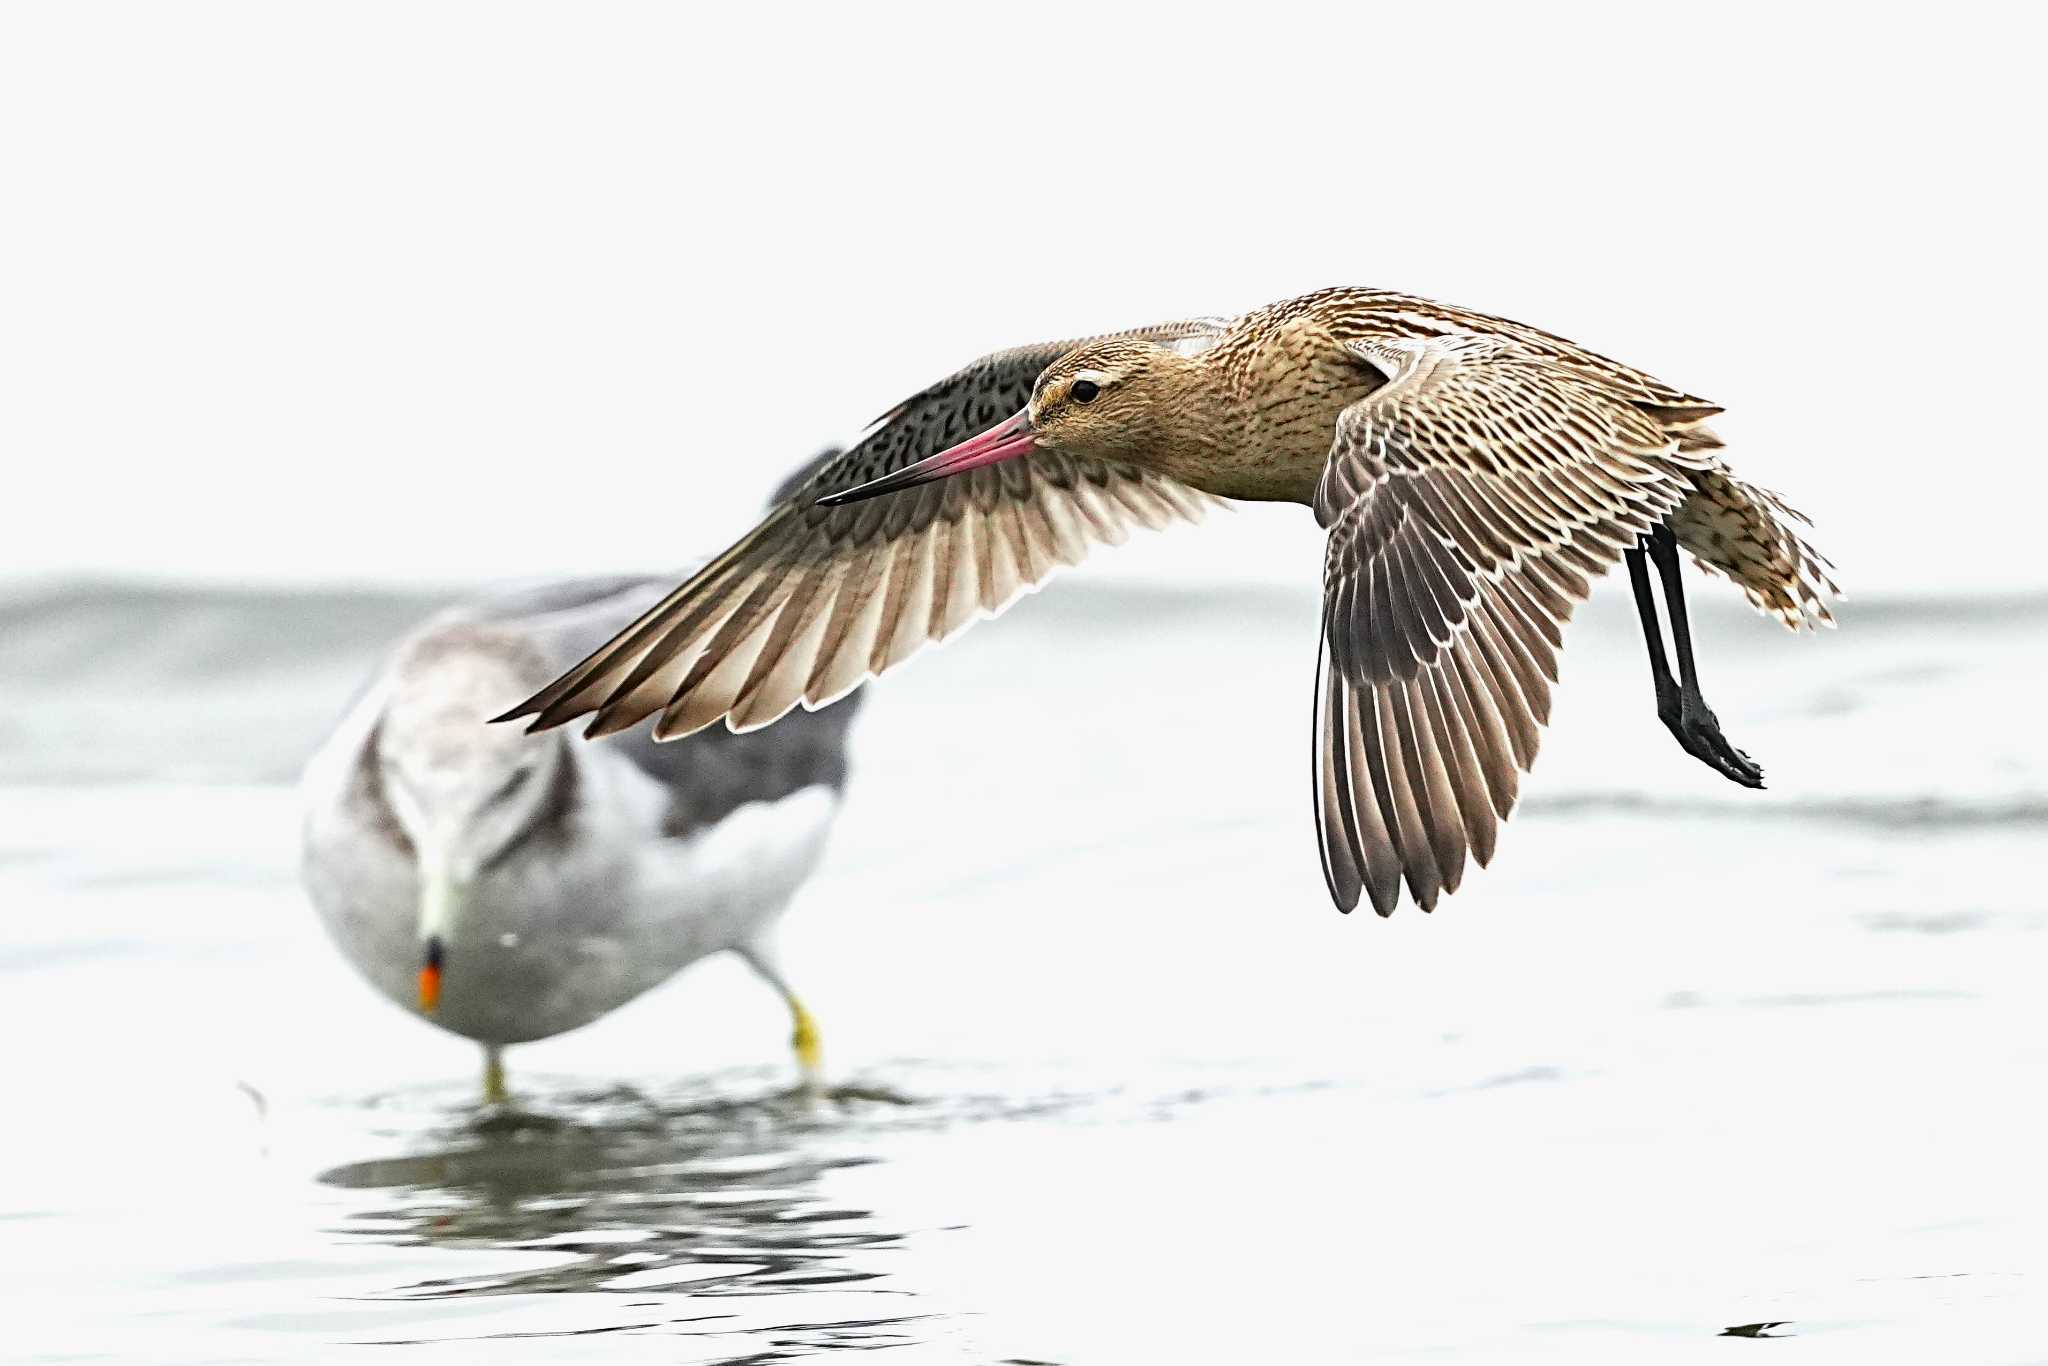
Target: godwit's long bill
1474	476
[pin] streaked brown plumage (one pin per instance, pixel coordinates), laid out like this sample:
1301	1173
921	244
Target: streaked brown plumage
1474	476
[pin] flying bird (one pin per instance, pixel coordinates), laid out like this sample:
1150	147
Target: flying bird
1473	476
510	887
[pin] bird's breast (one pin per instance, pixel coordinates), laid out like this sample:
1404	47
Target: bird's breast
1276	423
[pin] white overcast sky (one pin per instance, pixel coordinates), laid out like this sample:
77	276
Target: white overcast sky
380	291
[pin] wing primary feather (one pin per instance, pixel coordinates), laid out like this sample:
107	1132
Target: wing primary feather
1337	838
911	629
1513	651
1377	849
764	596
1418	861
777	681
1505	688
1403	616
1461	761
963	588
712	696
1489	733
858	600
1442	825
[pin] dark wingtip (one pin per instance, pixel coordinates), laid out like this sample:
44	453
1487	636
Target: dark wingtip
1384	891
1343	890
561	711
544	718
607	722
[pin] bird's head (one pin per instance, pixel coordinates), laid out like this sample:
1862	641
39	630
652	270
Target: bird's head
1110	400
463	792
1119	398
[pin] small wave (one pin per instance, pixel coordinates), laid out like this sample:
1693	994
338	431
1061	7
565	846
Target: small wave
1886	813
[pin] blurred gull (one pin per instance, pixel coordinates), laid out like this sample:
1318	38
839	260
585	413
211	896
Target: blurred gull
512	887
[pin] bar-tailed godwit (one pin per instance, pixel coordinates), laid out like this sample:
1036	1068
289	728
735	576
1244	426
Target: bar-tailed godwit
1473	476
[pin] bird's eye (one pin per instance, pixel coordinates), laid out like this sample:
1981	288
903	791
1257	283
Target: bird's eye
1084	390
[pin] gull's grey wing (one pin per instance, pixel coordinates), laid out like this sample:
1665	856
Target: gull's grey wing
814	600
1469	502
715	771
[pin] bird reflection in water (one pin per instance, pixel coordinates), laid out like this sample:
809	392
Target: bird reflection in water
714	1199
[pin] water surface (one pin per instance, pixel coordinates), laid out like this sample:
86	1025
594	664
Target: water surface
1688	1069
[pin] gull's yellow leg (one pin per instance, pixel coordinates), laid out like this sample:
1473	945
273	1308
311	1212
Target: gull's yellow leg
494	1076
803	1037
810	1049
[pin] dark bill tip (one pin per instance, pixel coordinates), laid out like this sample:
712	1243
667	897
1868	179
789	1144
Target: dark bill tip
1006	440
431	962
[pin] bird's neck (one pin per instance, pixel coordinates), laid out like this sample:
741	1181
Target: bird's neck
1255	422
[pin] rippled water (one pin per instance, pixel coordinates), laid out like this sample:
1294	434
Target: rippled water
1688	1066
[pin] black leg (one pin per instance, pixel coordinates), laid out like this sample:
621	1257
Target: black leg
1653	636
1682	710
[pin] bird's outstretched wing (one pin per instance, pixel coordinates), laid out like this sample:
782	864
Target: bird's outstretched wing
1469	501
815	600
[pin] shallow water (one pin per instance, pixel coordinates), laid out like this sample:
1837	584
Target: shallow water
1687	1061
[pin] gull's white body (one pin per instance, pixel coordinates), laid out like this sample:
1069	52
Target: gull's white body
628	862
